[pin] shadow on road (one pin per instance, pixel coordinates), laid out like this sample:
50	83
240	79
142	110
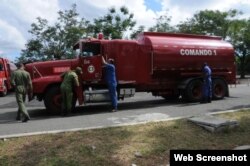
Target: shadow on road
89	109
10	116
99	108
124	106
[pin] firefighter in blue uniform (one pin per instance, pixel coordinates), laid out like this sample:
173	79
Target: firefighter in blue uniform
110	79
207	84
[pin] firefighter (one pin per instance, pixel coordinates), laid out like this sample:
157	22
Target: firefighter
21	81
111	81
207	84
70	79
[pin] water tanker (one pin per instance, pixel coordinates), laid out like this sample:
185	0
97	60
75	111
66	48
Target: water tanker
164	64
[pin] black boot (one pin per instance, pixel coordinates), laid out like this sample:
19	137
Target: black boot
63	113
18	118
203	100
26	119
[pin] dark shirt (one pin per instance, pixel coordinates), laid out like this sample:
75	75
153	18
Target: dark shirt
207	72
110	74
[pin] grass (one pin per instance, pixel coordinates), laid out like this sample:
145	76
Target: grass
118	145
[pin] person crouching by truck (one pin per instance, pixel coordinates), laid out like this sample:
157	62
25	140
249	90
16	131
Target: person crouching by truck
207	84
110	79
70	79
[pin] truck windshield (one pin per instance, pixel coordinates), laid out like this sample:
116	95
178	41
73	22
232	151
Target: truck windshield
91	49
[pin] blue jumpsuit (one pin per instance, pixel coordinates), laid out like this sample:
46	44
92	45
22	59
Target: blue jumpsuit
207	86
112	84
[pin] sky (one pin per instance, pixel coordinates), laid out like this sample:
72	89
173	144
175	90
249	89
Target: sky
16	16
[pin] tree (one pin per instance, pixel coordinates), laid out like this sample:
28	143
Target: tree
209	22
239	36
114	25
162	24
136	32
32	52
54	42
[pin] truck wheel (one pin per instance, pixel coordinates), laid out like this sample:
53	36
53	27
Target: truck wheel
193	92
5	90
53	100
219	89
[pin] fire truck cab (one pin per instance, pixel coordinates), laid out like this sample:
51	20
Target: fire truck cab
6	67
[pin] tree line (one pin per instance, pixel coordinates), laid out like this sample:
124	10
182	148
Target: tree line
56	41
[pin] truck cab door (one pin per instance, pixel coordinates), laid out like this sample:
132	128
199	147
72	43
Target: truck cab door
91	63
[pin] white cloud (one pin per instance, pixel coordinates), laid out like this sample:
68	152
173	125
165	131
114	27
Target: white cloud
17	15
142	15
10	37
28	11
97	8
181	10
227	4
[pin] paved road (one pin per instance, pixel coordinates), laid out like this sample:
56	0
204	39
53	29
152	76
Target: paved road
139	109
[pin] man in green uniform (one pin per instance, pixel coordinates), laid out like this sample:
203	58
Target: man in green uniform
70	79
21	81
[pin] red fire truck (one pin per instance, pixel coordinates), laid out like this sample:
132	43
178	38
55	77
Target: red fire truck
6	67
165	64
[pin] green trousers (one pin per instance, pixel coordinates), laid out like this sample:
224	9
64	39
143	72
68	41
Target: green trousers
67	97
20	99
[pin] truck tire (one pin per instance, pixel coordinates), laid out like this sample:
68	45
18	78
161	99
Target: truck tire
5	90
53	100
193	91
219	88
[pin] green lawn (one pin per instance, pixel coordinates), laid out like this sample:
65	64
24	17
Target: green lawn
118	145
